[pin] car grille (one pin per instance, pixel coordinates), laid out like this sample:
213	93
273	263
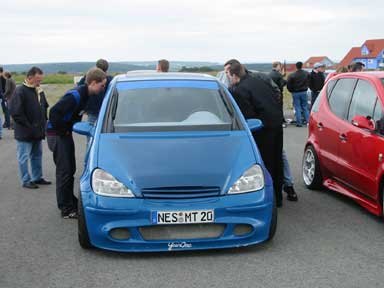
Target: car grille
182	232
180	192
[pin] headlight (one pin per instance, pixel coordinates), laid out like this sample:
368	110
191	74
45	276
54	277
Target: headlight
105	184
252	180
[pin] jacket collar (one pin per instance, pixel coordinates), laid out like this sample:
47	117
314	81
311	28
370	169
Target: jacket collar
25	83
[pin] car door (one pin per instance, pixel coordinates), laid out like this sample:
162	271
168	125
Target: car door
361	150
329	119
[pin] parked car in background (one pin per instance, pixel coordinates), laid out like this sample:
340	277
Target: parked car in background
173	166
345	147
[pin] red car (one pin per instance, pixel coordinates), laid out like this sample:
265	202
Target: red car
345	147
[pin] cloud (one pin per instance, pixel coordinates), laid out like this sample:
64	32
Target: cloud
40	31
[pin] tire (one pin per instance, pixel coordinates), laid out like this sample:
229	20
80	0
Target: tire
82	227
273	226
311	169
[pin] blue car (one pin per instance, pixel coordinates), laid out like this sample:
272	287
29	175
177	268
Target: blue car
172	165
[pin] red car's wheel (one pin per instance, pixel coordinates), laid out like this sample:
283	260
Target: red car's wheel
311	169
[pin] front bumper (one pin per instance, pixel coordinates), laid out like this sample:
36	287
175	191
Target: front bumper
103	214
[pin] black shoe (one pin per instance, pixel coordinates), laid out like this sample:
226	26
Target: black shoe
69	214
299	125
30	185
291	193
42	181
279	204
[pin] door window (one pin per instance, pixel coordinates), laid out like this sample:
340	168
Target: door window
341	95
378	113
330	85
363	100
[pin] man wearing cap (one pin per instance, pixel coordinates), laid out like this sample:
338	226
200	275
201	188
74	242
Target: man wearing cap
316	80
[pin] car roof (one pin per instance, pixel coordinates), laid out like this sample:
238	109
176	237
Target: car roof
374	74
153	75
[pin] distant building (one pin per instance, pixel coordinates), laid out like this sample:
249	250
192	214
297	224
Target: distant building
308	65
290	67
371	53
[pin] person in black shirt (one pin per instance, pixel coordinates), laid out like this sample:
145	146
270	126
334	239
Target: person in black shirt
4	102
256	100
277	77
63	115
316	80
297	84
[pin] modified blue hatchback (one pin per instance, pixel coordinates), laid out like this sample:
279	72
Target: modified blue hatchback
172	165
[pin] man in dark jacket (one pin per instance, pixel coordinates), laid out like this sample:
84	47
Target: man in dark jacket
298	85
28	109
10	86
262	76
278	78
66	112
256	100
277	95
316	80
277	75
4	103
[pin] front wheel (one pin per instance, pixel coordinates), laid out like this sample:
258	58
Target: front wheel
82	227
273	226
311	169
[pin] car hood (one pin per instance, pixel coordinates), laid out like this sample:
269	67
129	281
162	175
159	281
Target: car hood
174	159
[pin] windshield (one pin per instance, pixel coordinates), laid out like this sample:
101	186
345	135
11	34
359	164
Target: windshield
172	106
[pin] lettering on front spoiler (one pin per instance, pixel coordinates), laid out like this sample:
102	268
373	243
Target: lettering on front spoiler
180	245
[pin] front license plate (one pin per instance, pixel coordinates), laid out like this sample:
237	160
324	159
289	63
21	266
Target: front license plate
182	217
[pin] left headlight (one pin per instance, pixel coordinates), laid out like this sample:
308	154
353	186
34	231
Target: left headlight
251	180
105	184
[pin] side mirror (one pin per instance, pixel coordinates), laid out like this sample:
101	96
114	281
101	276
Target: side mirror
364	122
84	128
254	124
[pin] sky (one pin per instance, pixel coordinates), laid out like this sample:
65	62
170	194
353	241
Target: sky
37	31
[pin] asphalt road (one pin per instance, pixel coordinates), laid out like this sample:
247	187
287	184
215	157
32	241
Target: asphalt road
324	240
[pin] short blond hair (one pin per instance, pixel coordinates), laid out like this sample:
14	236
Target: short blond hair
95	74
275	64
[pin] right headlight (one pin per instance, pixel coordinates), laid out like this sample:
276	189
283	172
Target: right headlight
251	180
105	184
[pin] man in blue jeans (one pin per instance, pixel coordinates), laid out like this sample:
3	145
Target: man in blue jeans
297	84
29	112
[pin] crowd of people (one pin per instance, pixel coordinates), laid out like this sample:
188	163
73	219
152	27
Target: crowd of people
258	95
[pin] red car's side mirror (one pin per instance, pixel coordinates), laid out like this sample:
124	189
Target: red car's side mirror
364	122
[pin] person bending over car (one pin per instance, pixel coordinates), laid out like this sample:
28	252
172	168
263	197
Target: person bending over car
256	100
66	112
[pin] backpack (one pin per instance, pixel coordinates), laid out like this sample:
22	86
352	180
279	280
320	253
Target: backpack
76	95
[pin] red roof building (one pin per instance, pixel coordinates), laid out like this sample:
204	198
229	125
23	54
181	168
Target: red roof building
355	52
321	59
371	54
